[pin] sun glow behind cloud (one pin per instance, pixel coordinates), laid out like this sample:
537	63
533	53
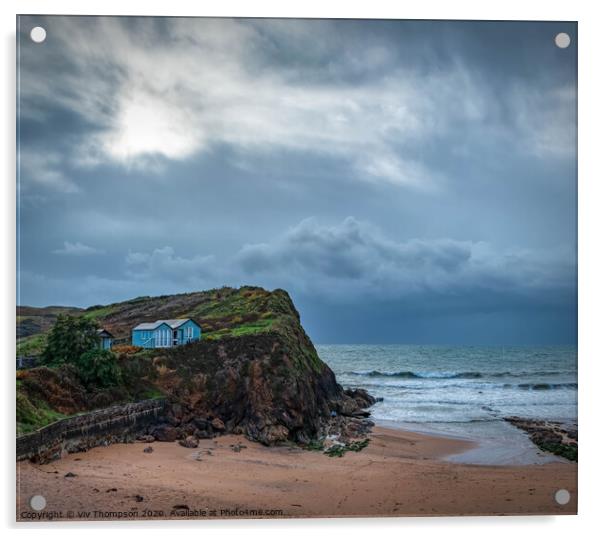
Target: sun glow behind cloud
188	86
146	127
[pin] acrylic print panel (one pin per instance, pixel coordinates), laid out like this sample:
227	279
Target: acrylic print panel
295	268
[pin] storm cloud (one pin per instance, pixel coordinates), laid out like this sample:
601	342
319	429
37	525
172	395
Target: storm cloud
354	260
415	168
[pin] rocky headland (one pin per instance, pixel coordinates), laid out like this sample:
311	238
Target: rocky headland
255	373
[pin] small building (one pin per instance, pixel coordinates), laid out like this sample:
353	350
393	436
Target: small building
106	339
166	333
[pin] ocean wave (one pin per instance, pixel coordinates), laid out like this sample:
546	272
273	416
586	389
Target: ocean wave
554	373
420	375
406	388
442	375
547	386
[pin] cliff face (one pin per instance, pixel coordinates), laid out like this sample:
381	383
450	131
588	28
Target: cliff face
259	385
270	386
255	372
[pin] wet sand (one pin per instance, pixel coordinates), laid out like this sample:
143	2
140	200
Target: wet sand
399	473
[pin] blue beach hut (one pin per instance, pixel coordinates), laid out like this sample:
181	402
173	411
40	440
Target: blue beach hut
166	333
106	339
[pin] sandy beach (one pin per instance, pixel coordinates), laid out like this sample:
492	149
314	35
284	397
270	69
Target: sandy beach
399	473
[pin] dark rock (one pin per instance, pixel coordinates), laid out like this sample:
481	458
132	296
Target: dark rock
70	474
202	435
165	433
273	434
361	397
148	449
302	438
200	423
188	429
176	411
139	498
173	421
347	406
146	438
189	442
555	437
218	424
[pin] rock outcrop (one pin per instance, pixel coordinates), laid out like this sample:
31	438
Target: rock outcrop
261	386
552	436
270	386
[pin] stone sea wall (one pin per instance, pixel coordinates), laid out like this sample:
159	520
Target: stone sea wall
121	423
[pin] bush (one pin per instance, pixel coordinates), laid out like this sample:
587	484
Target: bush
69	338
98	368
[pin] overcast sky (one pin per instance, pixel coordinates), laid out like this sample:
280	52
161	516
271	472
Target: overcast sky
404	181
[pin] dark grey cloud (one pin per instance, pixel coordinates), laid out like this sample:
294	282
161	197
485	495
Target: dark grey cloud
354	260
164	155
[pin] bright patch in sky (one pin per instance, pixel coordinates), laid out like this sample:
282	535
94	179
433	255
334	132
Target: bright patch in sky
406	176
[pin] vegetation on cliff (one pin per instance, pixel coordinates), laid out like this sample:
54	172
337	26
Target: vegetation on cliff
255	371
220	312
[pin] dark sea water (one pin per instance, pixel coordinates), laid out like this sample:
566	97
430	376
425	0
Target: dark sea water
464	391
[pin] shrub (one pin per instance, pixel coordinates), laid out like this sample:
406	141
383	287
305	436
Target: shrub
69	338
98	368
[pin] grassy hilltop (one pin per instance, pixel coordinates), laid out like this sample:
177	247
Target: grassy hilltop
220	312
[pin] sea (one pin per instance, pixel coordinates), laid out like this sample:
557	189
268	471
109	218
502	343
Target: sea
464	392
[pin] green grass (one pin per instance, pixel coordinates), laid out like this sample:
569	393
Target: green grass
151	393
31	345
240	312
261	325
99	312
31	417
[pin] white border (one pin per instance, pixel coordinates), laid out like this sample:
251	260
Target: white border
590	266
